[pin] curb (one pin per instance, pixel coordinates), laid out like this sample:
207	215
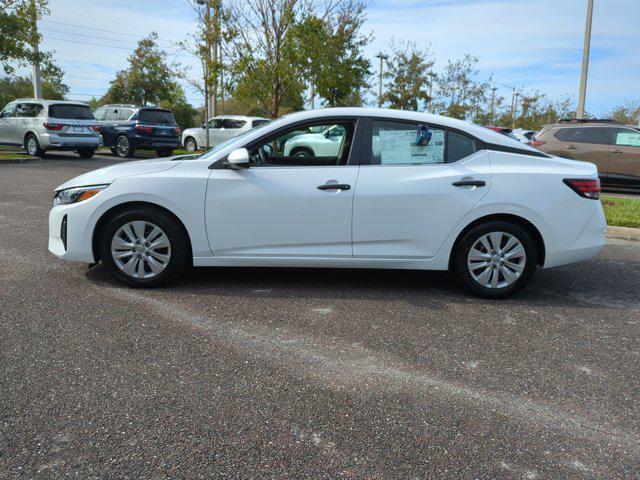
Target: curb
623	233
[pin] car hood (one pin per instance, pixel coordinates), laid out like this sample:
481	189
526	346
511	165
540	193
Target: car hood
107	175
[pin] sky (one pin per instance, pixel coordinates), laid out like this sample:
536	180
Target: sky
532	45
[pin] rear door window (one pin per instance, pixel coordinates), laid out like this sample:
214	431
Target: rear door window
125	113
71	112
112	115
593	135
156	117
27	110
233	123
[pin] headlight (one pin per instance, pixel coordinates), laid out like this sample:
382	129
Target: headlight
76	194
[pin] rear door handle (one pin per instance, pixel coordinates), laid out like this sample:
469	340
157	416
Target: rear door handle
334	186
617	151
571	147
469	183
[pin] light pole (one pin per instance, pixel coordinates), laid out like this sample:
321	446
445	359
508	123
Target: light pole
493	105
585	61
382	58
37	79
432	77
513	102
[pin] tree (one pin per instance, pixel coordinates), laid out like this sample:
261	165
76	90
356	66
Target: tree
628	114
150	80
408	76
461	95
53	86
19	34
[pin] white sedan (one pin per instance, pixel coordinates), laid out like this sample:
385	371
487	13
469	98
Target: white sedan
403	190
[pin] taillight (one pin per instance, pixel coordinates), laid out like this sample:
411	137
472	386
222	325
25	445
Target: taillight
536	143
144	130
587	188
95	128
176	130
53	126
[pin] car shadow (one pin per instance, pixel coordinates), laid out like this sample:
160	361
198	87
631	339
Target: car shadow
573	286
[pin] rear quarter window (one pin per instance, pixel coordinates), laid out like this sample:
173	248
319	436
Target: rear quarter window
71	112
156	117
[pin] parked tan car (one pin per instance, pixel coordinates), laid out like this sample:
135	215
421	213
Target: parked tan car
614	148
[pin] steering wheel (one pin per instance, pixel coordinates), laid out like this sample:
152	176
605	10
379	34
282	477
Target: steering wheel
264	152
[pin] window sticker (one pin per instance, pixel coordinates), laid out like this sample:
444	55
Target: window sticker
411	147
631	139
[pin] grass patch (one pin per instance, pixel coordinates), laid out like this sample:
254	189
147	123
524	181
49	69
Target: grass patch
621	212
150	153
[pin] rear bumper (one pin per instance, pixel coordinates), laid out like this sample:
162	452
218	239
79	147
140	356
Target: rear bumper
49	141
139	141
587	244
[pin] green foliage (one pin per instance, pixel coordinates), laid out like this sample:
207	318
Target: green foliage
408	75
53	86
628	113
149	80
17	33
461	94
622	212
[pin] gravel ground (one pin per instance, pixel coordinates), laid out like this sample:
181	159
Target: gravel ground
285	373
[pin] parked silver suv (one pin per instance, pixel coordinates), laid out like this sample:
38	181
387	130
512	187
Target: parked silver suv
41	125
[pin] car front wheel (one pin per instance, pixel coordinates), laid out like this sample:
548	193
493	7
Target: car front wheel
495	259
143	247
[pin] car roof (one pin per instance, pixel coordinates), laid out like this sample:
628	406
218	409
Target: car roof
482	133
49	102
238	117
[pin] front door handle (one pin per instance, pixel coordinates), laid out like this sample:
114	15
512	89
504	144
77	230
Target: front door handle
469	183
617	151
334	186
571	147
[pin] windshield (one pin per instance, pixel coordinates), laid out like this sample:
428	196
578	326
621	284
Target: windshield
225	144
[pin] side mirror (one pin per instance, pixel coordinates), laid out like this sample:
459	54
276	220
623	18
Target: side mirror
238	159
202	125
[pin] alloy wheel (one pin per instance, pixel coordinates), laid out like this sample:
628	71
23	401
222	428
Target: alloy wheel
32	146
122	145
141	249
496	260
191	146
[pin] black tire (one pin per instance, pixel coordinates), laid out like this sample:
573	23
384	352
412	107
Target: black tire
123	147
32	146
164	152
114	151
190	144
86	152
302	152
462	248
177	238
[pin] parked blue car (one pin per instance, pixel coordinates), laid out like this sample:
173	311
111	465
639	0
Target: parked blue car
127	128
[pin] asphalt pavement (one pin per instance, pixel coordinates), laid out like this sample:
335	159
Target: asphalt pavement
301	373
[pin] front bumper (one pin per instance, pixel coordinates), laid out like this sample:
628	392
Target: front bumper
50	141
77	245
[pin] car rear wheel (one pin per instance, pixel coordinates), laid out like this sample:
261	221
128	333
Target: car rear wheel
495	259
164	152
143	247
32	146
86	152
123	147
190	144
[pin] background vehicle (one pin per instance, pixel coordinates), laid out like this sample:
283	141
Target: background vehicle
524	136
614	148
41	125
315	143
507	132
434	194
221	129
126	128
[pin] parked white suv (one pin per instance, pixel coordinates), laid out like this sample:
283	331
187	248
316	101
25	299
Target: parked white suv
41	125
221	129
